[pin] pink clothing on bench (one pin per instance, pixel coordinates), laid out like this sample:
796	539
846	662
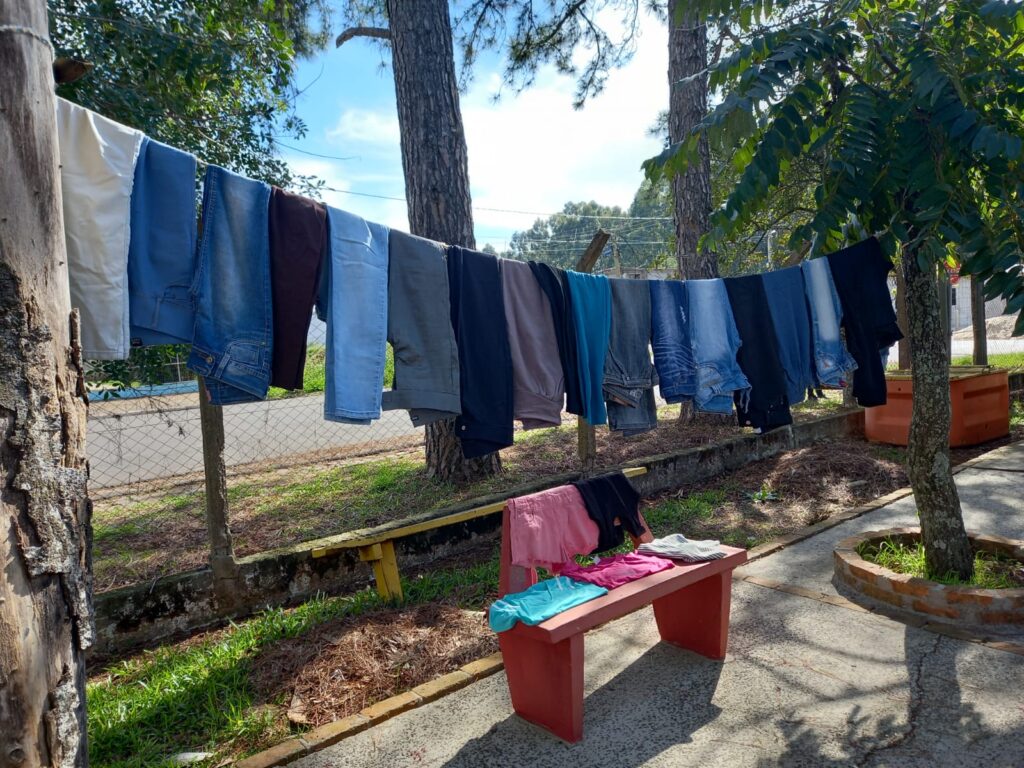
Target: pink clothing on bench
549	528
612	572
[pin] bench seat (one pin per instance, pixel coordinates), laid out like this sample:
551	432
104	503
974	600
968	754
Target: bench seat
544	663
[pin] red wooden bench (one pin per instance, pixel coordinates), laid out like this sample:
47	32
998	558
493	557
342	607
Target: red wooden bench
544	663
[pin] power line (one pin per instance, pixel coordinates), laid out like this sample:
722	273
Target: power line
510	210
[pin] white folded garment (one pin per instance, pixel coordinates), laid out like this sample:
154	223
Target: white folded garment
678	547
97	159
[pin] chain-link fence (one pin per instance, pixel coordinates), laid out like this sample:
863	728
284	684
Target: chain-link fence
151	435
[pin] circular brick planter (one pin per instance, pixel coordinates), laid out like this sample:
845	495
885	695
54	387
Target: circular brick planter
857	578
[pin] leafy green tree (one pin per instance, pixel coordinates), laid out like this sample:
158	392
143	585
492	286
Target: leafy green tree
641	235
214	78
916	113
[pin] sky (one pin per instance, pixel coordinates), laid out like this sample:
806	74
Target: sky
529	152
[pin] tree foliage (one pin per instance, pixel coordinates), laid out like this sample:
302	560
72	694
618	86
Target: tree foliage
215	78
641	235
914	112
557	32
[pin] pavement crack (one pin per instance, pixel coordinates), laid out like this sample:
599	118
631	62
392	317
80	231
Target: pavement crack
913	710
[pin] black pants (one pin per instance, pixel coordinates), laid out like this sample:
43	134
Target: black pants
485	360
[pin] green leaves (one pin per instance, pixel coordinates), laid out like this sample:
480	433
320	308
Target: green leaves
914	114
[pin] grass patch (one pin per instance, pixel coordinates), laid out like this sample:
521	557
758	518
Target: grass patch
1016	413
1000	360
673	514
314	375
991	571
199	696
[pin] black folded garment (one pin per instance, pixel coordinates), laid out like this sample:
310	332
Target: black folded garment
609	497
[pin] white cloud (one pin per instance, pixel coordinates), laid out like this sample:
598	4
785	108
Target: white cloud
527	152
365	126
534	152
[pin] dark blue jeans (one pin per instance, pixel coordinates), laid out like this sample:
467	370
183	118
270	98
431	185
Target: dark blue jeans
787	306
629	375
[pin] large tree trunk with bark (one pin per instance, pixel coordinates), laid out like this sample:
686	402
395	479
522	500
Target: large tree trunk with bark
45	619
947	549
688	103
434	159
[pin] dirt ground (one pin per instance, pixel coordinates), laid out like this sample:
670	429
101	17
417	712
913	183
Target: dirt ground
346	665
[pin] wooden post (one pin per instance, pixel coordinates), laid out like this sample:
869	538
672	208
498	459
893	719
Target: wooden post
45	585
222	554
586	437
980	352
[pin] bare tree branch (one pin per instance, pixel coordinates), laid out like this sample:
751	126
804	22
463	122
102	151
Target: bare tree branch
378	32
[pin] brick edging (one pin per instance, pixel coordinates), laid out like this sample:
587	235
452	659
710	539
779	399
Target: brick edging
963	605
330	733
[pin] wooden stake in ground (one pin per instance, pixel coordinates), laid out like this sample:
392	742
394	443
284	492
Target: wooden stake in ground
45	587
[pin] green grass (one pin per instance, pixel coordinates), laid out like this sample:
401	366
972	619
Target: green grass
314	376
199	698
1001	360
990	571
1017	413
672	515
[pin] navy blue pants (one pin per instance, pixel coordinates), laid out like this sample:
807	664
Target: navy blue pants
485	360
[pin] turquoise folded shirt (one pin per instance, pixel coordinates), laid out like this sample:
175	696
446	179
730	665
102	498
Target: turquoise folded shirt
540	602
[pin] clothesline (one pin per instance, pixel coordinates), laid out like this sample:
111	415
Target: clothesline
482	339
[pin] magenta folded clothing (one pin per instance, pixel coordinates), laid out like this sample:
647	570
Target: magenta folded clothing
612	572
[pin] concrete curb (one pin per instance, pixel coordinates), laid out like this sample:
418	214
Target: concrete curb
331	733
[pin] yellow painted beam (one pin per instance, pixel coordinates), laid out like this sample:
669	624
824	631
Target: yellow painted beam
428	525
389	570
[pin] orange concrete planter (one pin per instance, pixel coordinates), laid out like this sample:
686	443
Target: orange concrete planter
867	582
980	399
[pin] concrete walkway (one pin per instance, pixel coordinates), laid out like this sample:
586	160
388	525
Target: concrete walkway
806	682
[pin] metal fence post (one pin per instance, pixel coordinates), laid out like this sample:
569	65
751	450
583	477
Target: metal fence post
222	554
586	437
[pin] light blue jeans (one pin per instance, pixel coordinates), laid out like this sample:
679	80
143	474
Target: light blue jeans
715	342
833	363
354	293
233	335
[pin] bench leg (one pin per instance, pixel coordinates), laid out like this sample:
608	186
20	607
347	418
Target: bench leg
697	617
546	682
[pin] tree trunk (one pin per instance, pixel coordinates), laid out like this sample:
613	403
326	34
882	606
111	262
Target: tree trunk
903	345
436	167
978	325
947	549
687	55
45	589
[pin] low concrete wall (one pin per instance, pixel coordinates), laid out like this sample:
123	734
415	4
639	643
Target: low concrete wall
144	614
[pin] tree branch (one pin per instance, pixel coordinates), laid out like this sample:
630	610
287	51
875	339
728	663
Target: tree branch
378	32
